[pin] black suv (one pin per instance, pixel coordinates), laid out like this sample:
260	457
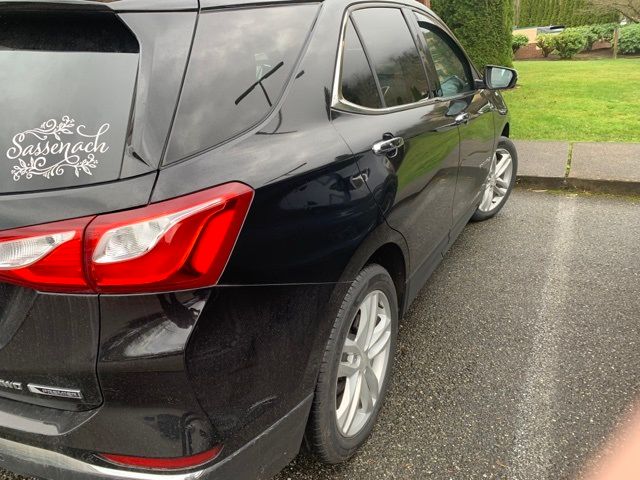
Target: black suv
213	215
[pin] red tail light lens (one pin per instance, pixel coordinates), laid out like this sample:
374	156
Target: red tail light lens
179	244
48	257
180	463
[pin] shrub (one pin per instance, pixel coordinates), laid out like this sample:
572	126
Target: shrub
546	43
484	28
604	31
569	43
519	41
630	39
588	33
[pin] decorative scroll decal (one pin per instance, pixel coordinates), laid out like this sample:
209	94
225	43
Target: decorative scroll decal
35	150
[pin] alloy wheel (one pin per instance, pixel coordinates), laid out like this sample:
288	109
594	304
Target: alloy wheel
363	364
498	181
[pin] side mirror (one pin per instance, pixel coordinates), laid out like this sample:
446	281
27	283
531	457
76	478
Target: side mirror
500	78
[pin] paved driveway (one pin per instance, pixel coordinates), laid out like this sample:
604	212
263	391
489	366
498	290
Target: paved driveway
521	357
522	353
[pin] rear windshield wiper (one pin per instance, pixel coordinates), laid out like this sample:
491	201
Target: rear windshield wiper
259	82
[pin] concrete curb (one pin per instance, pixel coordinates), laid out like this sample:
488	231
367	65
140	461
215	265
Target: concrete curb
529	181
596	167
615	187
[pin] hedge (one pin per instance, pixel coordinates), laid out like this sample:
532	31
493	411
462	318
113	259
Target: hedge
483	27
570	13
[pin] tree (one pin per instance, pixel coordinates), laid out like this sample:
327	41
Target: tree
483	27
570	13
627	8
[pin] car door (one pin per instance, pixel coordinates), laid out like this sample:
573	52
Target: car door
407	144
471	107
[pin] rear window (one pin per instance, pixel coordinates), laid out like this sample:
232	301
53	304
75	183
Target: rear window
68	82
239	67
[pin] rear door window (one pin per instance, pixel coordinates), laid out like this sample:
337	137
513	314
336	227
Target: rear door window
394	55
240	64
358	83
451	66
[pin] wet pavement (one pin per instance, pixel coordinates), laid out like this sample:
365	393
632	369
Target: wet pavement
521	357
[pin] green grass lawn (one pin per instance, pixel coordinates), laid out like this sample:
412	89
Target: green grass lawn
592	100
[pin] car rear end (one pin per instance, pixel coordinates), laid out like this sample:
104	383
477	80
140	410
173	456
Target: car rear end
88	98
143	331
101	287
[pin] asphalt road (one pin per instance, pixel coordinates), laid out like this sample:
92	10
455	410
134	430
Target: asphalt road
520	359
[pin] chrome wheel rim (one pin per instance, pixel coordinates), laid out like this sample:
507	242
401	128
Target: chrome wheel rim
498	181
363	364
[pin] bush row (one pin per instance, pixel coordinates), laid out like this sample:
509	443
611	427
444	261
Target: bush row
580	39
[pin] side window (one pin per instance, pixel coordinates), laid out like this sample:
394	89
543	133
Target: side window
240	64
452	68
358	84
393	54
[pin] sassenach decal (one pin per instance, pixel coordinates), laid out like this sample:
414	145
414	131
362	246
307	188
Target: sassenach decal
56	147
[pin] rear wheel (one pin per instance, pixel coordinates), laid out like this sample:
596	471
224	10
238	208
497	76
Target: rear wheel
500	182
356	367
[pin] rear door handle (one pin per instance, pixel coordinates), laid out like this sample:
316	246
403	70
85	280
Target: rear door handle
388	147
462	119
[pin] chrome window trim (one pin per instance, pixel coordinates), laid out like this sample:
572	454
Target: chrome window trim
337	101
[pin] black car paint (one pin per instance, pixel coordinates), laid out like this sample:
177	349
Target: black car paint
179	373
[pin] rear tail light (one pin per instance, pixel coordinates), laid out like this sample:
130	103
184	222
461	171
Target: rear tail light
180	463
179	244
27	251
47	257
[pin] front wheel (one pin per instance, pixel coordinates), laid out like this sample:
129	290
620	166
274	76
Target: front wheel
354	374
500	182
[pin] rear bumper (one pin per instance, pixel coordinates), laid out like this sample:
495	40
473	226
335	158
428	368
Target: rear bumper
261	458
179	374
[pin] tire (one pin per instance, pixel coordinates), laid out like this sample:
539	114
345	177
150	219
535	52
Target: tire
486	210
326	437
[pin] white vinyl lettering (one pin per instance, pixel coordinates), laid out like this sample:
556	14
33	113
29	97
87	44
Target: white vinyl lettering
32	149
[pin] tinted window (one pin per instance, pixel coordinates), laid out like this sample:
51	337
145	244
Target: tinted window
358	84
451	66
239	66
394	55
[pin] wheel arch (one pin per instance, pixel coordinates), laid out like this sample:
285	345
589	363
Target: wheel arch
387	248
391	258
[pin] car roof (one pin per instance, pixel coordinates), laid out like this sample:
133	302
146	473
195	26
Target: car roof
159	5
114	5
